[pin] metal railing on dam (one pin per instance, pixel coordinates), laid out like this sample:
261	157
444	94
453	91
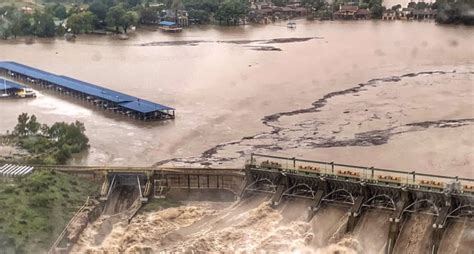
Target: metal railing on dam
445	198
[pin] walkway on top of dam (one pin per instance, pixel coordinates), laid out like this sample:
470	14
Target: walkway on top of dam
106	98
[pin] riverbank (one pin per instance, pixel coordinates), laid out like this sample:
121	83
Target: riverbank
10	153
36	208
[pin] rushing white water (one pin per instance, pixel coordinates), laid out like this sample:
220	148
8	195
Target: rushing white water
246	226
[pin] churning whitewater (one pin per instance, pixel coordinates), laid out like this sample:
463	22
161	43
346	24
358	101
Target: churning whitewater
249	225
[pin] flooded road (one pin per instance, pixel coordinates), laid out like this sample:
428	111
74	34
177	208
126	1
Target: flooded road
222	88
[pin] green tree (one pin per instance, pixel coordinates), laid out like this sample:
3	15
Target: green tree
81	22
129	19
33	126
60	12
118	17
280	3
396	7
231	11
99	9
149	15
133	3
411	5
201	16
421	5
114	17
43	25
23	24
313	4
20	128
74	23
455	12
376	8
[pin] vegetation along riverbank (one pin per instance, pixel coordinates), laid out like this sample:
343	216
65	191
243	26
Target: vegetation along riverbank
36	208
67	17
43	144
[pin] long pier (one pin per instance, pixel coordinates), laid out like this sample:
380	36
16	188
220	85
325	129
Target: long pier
445	198
100	97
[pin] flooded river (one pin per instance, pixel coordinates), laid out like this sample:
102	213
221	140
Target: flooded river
225	88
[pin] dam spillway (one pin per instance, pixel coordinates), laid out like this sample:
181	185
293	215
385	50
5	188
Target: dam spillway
364	198
445	198
101	97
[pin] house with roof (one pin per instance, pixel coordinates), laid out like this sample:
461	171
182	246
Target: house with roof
362	14
424	14
180	17
389	15
406	13
351	12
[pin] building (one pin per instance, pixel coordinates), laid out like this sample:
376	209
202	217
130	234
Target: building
351	12
406	13
423	14
180	17
362	14
346	12
389	15
169	26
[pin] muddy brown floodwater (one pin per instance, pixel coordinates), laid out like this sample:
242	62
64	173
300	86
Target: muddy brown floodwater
331	90
387	94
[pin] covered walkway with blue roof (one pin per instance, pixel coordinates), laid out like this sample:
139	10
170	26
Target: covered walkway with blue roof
99	96
7	85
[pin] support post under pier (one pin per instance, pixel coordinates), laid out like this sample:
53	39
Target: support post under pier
439	226
396	221
282	186
354	213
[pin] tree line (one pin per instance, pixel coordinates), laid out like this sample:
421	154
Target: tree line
46	144
119	15
455	11
111	15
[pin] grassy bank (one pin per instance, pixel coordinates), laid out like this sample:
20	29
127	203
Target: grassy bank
34	210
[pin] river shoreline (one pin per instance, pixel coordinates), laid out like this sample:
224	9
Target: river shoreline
237	84
147	29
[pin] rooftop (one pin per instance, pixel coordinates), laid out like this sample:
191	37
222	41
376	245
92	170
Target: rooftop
8	85
167	23
127	101
349	8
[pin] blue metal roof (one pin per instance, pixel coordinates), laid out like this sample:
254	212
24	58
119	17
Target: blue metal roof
7	85
127	101
143	106
167	23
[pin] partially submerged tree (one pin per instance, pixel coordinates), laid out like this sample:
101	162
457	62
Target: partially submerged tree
81	22
118	17
50	145
114	17
231	11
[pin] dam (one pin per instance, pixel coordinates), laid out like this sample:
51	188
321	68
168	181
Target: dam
400	196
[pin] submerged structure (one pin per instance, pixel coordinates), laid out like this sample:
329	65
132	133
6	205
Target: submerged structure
11	89
101	97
